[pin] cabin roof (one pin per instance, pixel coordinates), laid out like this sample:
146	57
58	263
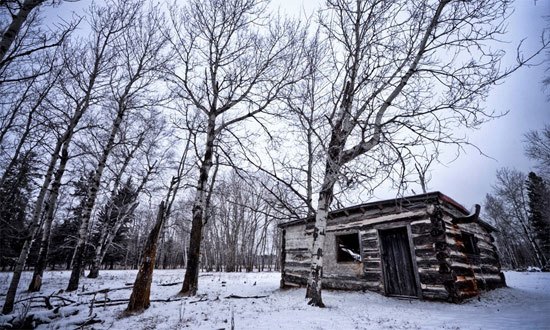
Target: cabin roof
427	198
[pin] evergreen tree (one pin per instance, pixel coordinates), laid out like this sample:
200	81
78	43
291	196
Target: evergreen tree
539	212
15	194
110	235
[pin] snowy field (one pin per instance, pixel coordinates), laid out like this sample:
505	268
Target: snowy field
525	304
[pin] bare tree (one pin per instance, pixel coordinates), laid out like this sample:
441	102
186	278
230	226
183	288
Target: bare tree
24	40
138	60
298	172
139	299
508	208
405	73
538	148
233	64
149	135
81	106
422	169
18	19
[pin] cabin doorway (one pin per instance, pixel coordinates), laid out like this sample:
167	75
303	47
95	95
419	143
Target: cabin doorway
398	270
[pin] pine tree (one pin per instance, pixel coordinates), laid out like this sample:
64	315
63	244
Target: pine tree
15	194
112	226
539	213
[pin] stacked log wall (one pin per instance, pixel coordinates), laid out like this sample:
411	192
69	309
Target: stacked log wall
372	262
428	260
485	267
297	256
346	275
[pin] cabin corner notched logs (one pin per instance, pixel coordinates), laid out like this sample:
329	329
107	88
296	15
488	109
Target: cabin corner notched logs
425	246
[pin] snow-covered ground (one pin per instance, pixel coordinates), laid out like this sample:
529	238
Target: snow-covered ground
525	304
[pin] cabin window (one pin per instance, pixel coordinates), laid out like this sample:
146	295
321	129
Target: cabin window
470	244
347	248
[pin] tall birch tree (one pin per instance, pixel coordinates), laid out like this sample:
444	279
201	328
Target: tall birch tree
233	64
405	73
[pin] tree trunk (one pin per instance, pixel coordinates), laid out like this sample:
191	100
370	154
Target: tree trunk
15	26
34	226
190	282
38	273
90	201
139	300
314	283
108	233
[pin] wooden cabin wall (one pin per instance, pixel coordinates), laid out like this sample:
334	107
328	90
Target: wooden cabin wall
486	268
372	260
297	258
297	261
445	272
432	281
340	275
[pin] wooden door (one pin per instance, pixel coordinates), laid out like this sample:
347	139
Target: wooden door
399	277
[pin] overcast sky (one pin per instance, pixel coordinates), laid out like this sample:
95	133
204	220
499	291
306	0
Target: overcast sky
470	177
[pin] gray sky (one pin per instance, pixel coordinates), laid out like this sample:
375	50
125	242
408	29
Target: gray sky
470	177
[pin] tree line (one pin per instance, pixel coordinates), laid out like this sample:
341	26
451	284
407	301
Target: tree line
519	207
137	135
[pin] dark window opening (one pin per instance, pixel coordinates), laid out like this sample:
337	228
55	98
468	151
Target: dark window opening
347	248
470	244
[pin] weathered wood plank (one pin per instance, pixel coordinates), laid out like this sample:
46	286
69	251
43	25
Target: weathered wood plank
370	245
434	292
372	264
433	277
297	265
372	276
422	239
298	257
421	227
363	223
297	250
427	263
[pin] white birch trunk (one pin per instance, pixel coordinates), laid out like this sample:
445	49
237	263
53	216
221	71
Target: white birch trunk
190	283
90	201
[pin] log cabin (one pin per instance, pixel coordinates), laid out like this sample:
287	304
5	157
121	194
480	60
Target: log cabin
425	246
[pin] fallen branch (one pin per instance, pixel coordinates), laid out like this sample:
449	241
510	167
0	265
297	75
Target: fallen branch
244	297
104	291
47	301
91	320
198	301
115	302
32	320
169	284
64	299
